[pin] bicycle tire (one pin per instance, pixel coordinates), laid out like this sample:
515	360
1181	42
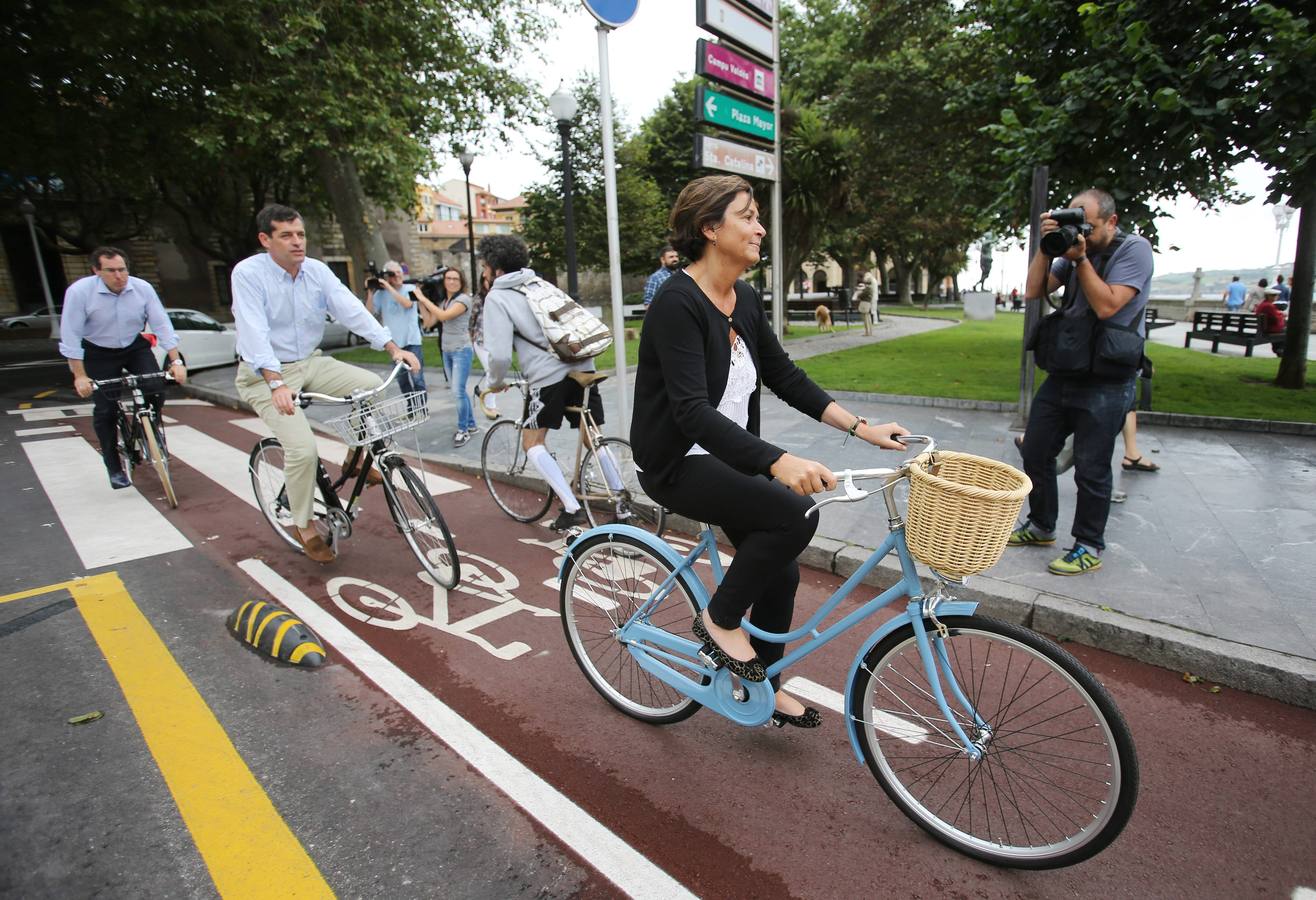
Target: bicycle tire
123	446
1040	797
603	505
418	520
606	579
513	481
265	466
154	434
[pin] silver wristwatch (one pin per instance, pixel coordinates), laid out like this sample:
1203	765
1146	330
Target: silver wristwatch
276	384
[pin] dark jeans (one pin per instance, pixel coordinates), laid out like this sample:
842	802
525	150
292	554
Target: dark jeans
766	523
104	363
1092	411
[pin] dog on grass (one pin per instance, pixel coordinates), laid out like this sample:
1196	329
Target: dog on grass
823	316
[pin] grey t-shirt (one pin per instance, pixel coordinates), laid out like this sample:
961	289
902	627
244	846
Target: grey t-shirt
1130	265
457	331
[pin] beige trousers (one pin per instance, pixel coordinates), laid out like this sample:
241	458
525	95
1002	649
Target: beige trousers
323	375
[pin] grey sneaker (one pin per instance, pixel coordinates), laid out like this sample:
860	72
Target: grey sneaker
460	438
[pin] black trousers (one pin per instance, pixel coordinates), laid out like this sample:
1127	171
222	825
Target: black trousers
766	523
102	363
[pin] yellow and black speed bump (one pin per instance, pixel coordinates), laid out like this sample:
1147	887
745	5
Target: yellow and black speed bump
274	631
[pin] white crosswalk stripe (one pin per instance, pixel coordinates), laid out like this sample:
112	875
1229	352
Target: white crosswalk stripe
221	463
107	527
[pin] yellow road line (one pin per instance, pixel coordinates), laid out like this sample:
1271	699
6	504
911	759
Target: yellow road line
43	395
247	846
25	405
36	592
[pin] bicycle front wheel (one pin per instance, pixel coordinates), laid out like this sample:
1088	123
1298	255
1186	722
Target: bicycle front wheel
513	481
124	446
153	431
623	502
607	579
418	519
1058	778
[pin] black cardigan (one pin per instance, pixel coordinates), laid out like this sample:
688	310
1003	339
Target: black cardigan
685	356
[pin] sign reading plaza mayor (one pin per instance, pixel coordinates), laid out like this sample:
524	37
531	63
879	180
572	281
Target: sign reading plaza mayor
723	64
728	156
731	22
728	112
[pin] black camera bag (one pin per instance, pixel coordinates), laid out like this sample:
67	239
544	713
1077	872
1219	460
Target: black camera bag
1085	345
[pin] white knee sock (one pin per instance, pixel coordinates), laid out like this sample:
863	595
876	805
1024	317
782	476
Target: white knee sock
548	467
610	470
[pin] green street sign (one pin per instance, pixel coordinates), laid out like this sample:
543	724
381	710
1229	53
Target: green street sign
728	112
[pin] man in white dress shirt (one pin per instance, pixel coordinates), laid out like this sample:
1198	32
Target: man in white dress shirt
280	299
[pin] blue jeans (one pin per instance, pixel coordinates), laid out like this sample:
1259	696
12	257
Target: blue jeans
409	383
1092	411
457	365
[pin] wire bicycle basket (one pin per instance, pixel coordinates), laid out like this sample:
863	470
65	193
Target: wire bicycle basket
376	418
962	509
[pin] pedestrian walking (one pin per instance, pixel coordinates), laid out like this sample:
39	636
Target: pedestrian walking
1234	295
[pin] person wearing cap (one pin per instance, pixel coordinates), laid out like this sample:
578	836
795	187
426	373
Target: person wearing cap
1273	321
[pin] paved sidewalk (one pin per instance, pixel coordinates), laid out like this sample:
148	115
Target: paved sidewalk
1210	564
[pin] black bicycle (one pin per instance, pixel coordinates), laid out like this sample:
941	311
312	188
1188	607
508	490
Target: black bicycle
139	433
368	426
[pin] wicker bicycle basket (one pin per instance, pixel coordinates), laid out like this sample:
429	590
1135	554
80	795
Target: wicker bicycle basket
962	510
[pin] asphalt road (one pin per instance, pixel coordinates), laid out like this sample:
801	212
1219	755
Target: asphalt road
451	748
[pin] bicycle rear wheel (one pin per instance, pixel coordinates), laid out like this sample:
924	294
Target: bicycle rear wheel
418	519
1059	776
513	481
270	487
608	577
153	431
627	506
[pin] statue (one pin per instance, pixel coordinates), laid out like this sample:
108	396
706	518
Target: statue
984	263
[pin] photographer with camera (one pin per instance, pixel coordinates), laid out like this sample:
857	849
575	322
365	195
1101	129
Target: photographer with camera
1091	348
401	307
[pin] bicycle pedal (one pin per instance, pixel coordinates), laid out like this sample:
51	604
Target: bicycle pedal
706	658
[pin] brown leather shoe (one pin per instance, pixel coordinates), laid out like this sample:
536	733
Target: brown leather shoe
315	547
372	477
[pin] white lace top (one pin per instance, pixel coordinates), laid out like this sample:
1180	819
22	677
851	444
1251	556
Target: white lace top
742	378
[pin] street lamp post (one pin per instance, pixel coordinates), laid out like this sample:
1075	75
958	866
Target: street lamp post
29	213
563	105
466	158
1282	216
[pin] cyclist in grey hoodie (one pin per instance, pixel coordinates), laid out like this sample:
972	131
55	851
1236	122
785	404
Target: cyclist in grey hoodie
510	326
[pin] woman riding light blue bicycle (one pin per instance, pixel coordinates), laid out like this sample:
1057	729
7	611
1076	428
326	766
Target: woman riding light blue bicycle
705	346
993	739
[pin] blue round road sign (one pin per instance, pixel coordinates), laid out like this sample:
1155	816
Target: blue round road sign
612	12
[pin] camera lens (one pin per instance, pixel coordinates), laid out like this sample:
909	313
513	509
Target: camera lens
1055	243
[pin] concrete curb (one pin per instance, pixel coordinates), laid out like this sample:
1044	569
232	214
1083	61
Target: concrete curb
1291	679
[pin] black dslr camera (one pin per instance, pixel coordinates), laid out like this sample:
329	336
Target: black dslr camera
376	280
1073	222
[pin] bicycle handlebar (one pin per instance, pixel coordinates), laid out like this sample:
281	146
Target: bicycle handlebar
846	478
304	398
129	380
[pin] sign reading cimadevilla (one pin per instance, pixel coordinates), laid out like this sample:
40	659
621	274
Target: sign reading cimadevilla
731	22
726	111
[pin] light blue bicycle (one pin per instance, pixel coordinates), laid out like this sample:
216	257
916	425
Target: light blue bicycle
991	737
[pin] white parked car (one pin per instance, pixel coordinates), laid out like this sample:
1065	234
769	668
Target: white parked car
202	341
39	320
336	335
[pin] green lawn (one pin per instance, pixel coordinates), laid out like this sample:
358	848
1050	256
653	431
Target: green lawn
980	361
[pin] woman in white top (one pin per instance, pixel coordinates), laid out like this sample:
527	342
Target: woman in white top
705	348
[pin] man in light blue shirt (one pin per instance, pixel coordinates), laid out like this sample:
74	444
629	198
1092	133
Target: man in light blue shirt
399	307
100	330
669	262
1234	295
280	299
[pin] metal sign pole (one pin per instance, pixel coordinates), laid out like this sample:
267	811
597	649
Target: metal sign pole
614	238
1032	305
778	251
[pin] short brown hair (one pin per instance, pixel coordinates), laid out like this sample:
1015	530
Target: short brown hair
702	202
105	253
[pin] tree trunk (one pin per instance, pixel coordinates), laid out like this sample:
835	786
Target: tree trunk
1293	367
361	234
901	269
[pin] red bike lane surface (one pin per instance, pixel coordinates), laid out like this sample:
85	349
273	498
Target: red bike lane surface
1226	804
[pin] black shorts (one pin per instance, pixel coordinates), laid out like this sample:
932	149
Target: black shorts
548	405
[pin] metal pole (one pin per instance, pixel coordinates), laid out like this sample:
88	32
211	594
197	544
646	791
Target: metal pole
470	230
614	238
29	212
572	287
1032	305
778	217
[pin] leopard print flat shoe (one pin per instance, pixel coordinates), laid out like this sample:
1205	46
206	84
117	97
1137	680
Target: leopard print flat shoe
751	670
810	718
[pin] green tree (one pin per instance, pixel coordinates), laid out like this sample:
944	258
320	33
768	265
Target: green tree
642	213
1151	99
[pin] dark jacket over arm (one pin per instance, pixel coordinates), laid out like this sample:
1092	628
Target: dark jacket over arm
685	356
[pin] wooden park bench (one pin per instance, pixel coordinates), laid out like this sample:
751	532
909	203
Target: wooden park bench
1154	320
1219	328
